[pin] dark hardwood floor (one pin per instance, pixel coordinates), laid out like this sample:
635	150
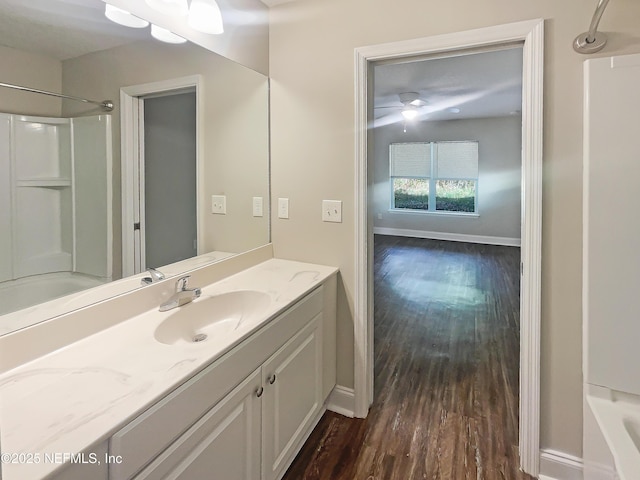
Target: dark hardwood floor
446	371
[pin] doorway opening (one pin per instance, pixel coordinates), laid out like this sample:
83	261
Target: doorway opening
530	35
167	187
161	158
446	195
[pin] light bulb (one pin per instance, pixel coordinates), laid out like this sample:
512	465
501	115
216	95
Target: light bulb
165	35
205	17
123	17
409	113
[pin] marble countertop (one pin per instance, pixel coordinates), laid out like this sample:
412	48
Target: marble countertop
79	395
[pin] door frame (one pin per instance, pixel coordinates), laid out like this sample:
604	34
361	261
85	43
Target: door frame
132	151
530	34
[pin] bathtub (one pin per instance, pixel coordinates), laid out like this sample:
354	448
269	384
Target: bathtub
30	300
26	292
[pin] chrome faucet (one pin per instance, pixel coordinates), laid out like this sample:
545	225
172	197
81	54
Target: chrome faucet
182	296
154	276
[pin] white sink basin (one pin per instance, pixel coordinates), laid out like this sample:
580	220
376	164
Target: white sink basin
212	317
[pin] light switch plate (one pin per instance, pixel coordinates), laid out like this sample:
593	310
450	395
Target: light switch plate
219	204
283	208
257	207
332	211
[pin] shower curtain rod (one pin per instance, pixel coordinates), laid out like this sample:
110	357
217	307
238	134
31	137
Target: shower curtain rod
592	41
106	105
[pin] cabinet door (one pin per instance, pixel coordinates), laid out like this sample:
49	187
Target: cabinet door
292	399
224	444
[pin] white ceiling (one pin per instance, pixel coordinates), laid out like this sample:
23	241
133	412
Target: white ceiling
484	84
487	84
61	29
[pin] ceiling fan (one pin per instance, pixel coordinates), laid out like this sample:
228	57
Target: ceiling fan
410	103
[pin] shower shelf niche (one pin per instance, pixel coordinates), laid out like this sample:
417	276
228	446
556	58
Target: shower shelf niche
46	166
43	195
44	182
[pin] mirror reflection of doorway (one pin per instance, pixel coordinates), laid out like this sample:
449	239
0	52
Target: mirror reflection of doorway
167	189
160	165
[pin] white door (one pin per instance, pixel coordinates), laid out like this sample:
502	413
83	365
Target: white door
292	380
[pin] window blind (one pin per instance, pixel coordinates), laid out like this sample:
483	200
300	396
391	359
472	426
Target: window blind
457	160
410	159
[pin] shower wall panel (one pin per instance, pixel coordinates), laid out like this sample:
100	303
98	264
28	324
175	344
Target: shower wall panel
611	222
6	269
55	196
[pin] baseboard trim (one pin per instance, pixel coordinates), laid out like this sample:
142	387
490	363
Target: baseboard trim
599	472
556	465
453	237
342	400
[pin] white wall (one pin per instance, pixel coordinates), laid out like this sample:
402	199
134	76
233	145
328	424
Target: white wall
30	70
313	148
235	134
499	169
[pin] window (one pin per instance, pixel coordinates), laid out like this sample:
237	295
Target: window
434	176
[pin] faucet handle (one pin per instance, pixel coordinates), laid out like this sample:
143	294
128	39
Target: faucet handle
182	283
155	274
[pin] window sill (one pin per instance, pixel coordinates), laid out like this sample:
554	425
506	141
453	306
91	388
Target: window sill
437	214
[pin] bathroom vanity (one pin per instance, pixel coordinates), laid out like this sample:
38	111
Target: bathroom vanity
231	383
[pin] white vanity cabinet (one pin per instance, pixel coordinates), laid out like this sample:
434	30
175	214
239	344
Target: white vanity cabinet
225	443
292	398
246	415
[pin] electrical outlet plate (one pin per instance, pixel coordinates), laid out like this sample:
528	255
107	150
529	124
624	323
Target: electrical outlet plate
332	211
283	208
257	207
219	204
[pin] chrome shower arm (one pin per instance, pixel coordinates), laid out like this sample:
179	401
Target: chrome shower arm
592	41
593	28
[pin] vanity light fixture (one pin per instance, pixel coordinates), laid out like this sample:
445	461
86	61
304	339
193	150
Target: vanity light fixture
205	17
165	35
123	17
178	8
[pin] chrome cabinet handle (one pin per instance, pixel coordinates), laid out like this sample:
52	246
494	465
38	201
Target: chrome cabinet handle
259	392
272	379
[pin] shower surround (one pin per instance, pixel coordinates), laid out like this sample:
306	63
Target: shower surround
54	173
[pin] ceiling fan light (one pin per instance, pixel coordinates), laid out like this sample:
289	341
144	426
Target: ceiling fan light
123	17
165	35
205	17
178	8
409	113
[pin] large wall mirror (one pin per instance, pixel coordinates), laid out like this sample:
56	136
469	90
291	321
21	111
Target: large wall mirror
175	177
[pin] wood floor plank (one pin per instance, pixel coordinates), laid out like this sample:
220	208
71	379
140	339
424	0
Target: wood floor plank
446	353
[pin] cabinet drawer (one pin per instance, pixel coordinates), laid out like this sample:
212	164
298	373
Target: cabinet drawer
149	434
